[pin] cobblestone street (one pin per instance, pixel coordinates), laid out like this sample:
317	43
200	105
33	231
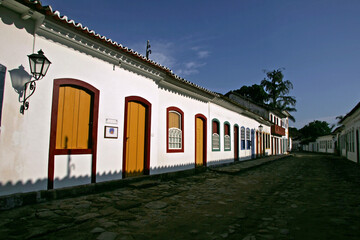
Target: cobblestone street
300	197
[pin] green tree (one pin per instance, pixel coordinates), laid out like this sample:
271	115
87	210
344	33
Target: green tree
313	130
294	133
255	92
278	89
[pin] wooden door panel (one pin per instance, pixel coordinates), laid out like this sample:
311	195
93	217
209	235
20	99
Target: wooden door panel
73	121
199	156
236	143
84	120
135	139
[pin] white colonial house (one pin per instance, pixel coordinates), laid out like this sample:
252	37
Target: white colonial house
325	144
344	140
348	135
104	112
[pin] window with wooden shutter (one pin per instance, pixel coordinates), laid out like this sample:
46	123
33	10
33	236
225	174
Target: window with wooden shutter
242	135
248	138
215	135
175	139
175	130
74	119
227	138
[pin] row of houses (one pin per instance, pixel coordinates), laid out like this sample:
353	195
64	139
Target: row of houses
343	141
104	112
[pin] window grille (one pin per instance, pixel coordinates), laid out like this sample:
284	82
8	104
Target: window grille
175	141
242	138
175	130
248	138
227	142
216	141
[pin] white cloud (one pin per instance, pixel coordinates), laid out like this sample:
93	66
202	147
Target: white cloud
161	52
190	68
203	54
187	62
200	52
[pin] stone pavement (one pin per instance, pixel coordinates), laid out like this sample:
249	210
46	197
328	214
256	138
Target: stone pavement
21	199
305	196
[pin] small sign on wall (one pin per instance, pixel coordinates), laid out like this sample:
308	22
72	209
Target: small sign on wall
111	121
111	132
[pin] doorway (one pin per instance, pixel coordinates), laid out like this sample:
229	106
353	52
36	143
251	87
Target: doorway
200	140
236	142
136	156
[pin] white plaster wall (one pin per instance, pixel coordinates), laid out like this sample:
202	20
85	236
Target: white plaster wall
352	124
24	139
191	106
72	170
114	86
223	115
326	149
233	118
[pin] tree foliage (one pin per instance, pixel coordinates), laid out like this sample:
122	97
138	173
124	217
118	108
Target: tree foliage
278	89
294	133
255	92
313	130
273	92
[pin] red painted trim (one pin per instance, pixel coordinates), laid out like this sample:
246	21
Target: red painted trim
236	142
72	151
167	130
205	139
147	104
261	146
257	144
54	109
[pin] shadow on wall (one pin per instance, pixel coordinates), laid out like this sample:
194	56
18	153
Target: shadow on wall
9	18
68	181
18	79
41	184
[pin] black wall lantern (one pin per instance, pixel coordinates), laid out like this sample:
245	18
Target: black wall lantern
39	66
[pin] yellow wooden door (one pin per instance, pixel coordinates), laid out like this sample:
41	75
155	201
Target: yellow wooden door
199	138
73	119
135	139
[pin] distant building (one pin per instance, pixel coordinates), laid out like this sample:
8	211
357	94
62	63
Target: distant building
279	141
325	144
344	140
348	137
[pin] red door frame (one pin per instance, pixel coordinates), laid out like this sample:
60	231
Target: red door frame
147	105
54	112
257	144
204	140
261	145
236	142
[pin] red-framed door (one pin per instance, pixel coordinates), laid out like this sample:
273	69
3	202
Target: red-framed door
137	129
236	143
74	123
200	140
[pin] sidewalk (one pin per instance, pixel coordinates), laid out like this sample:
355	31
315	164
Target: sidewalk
236	167
22	199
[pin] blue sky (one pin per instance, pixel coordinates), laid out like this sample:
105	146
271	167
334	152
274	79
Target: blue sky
223	45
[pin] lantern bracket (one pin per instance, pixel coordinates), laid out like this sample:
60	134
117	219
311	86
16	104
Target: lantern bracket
39	66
